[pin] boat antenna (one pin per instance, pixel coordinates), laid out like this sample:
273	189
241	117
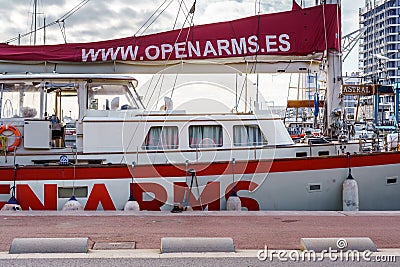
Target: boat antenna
34	21
44	31
60	19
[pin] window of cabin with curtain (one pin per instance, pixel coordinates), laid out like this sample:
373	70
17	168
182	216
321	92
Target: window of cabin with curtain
161	137
248	135
203	136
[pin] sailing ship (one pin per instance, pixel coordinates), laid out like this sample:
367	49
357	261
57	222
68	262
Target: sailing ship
115	149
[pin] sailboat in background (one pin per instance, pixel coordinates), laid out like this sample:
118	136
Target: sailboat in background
303	116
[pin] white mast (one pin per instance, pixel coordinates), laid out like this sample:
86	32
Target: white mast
333	102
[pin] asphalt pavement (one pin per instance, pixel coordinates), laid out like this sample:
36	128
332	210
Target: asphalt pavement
251	232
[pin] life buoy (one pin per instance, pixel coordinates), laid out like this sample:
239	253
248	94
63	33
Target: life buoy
16	132
297	135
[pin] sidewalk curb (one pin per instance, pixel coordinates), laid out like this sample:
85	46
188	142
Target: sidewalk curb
155	253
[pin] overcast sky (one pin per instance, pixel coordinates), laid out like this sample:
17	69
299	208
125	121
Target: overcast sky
110	19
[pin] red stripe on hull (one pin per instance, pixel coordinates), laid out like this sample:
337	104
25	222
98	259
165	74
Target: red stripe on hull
88	172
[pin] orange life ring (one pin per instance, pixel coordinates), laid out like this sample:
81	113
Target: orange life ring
297	135
15	131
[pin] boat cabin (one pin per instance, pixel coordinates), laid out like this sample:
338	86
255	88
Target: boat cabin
45	109
101	119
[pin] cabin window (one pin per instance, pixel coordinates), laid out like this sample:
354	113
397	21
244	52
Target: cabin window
314	187
68	191
248	135
20	100
391	180
301	154
110	97
201	136
160	137
323	153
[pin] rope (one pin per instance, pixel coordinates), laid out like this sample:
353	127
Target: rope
338	27
287	97
325	36
161	76
173	87
191	11
183	25
154	18
177	15
309	89
150	17
63	32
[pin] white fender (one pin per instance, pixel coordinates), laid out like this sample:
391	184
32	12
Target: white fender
131	205
234	203
350	195
72	204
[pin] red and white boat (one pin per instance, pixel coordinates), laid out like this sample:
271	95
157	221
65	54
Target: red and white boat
113	146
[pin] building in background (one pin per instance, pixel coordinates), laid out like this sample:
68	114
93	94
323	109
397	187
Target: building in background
380	43
352	103
379	57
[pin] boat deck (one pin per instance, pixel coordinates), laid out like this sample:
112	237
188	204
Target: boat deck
249	230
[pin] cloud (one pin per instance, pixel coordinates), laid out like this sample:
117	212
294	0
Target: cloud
350	20
105	19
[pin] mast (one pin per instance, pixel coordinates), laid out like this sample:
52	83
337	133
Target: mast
333	108
35	20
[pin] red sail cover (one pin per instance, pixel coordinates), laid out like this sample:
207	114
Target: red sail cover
294	33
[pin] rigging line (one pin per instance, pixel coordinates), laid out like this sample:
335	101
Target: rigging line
150	17
191	11
148	87
155	86
183	25
186	9
137	127
258	46
339	37
156	17
235	35
130	142
173	87
285	68
63	32
159	91
74	10
63	17
325	36
253	67
241	92
158	98
255	7
287	97
309	89
28	27
177	15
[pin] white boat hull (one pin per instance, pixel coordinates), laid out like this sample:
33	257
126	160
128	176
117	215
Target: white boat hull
285	184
